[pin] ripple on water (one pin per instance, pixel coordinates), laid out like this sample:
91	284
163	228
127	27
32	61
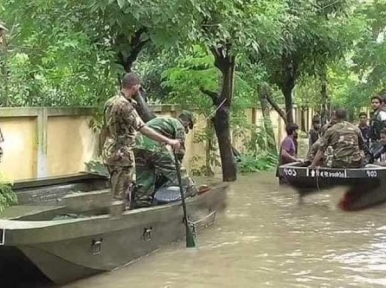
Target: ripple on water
266	239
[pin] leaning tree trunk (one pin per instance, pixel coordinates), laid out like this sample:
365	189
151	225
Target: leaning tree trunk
265	93
142	108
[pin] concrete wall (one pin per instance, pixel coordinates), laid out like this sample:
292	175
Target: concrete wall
55	141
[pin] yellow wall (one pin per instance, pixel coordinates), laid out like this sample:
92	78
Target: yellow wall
54	141
19	146
70	142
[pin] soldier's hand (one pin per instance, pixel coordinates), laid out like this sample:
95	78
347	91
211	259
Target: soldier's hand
175	144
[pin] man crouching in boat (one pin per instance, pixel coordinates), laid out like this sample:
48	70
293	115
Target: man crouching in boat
154	160
121	123
327	156
346	141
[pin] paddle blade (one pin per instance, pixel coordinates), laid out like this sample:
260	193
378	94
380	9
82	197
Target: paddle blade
190	241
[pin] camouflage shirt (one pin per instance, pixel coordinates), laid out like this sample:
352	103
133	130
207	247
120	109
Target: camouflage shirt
167	126
346	141
122	123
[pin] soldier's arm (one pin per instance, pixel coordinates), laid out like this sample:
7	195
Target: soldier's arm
132	117
361	141
324	143
179	134
154	135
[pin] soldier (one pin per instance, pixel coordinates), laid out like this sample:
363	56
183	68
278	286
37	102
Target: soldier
121	123
378	119
154	160
346	141
327	156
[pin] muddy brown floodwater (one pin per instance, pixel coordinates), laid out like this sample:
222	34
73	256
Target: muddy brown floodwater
266	239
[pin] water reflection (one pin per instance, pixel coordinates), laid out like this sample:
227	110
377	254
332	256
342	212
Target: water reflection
266	239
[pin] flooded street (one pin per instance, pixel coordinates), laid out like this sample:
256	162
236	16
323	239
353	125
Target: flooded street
266	239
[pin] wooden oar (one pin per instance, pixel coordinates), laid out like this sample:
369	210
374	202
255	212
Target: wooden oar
190	242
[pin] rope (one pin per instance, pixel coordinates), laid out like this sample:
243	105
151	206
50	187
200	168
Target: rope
217	108
317	180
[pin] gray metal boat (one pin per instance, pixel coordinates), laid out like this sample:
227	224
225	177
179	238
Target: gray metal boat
62	227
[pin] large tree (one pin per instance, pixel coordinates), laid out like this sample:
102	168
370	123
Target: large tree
315	33
229	29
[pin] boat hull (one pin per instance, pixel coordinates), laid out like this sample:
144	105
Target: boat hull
364	187
67	250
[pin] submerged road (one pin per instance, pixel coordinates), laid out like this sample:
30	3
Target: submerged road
267	239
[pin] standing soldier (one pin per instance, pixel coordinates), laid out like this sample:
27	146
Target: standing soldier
121	123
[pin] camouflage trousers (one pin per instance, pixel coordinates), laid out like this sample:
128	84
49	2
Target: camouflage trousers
149	165
121	177
333	162
328	157
336	163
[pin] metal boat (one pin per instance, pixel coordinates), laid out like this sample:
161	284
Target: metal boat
364	187
62	227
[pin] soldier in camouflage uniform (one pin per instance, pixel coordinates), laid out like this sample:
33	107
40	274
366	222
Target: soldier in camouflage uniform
328	154
153	159
121	123
346	141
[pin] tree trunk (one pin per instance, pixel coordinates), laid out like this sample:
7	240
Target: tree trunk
134	46
222	128
265	93
286	83
226	64
287	92
324	97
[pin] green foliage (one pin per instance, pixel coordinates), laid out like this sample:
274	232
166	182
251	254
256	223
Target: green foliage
71	53
257	154
7	195
251	163
97	167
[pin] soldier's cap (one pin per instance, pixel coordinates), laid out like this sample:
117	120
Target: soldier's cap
188	117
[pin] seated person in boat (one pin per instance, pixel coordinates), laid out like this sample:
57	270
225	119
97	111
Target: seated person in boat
327	156
379	155
154	160
314	132
287	152
346	140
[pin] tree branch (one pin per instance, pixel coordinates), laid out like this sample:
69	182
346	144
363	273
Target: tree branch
277	108
135	44
213	95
